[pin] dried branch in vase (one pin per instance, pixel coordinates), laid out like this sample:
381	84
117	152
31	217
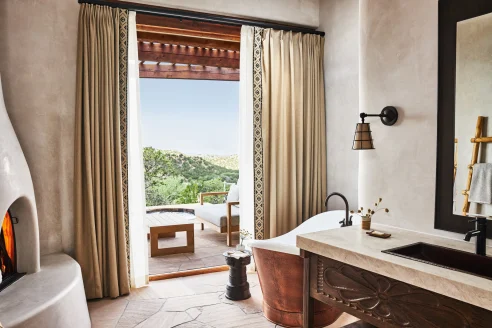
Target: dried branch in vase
369	213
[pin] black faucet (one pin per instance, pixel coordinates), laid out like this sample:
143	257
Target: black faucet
481	233
347	221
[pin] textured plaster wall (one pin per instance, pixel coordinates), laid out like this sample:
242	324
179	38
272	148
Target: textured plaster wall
339	19
473	99
301	12
38	41
399	67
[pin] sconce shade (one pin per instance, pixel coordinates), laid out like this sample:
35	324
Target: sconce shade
363	137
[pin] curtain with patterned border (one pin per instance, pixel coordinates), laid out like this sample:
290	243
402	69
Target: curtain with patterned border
289	134
124	124
100	171
257	135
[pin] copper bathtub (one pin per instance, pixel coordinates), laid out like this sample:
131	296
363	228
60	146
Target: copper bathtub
280	271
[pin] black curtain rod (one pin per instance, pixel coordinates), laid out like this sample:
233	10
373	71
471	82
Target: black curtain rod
211	18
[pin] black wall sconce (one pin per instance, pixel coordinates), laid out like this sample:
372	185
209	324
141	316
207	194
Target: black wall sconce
363	135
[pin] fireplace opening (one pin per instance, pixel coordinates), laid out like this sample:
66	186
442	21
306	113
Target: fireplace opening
8	258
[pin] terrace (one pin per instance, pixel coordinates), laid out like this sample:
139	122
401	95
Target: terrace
209	245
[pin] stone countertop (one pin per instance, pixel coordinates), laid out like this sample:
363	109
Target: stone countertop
351	245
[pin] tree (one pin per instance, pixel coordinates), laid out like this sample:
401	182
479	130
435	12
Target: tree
157	166
190	194
175	178
167	192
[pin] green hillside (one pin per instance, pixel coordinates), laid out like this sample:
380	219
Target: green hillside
175	178
229	162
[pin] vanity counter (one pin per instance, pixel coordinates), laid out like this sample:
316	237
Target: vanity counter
352	246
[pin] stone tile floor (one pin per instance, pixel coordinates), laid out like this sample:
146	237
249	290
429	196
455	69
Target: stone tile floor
189	302
209	246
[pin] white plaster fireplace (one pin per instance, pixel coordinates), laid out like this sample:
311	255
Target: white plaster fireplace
51	293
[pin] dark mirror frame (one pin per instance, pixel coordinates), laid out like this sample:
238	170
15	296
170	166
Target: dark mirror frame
450	13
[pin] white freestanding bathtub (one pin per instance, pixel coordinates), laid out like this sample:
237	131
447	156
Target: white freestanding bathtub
287	243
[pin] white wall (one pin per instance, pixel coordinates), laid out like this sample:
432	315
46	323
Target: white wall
301	12
38	42
399	67
339	19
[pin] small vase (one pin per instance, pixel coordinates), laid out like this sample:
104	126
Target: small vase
240	247
366	222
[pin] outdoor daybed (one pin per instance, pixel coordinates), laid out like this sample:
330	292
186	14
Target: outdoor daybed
220	217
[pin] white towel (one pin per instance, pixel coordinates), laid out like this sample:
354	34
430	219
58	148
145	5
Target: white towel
481	185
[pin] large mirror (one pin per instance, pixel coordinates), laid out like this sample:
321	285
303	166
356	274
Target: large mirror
472	174
464	168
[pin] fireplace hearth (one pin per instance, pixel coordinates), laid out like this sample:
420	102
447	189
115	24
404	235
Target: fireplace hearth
51	293
8	258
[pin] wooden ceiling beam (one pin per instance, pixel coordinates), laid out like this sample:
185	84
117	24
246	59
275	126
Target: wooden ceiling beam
191	51
187	32
188	41
187	55
188	72
188	24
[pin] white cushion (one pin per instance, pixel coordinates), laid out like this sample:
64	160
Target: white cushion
287	242
233	195
216	214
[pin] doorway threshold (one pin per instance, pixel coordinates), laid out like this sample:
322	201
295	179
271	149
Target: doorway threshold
188	273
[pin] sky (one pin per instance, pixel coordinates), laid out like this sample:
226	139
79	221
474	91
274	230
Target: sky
194	117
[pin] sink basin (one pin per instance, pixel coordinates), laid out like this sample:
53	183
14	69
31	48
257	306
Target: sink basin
448	258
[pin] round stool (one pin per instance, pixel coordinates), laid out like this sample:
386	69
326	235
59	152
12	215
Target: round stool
238	287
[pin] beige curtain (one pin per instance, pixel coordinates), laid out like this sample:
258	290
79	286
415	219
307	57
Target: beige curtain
100	243
293	128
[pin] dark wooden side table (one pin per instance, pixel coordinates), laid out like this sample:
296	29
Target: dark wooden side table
238	287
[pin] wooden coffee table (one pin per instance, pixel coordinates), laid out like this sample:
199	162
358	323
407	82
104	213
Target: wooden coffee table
165	231
162	226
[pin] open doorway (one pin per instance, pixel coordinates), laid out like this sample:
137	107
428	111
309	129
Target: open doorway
189	91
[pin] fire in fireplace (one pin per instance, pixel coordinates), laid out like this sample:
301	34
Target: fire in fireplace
8	265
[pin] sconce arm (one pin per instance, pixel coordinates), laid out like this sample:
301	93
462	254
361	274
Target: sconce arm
389	115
